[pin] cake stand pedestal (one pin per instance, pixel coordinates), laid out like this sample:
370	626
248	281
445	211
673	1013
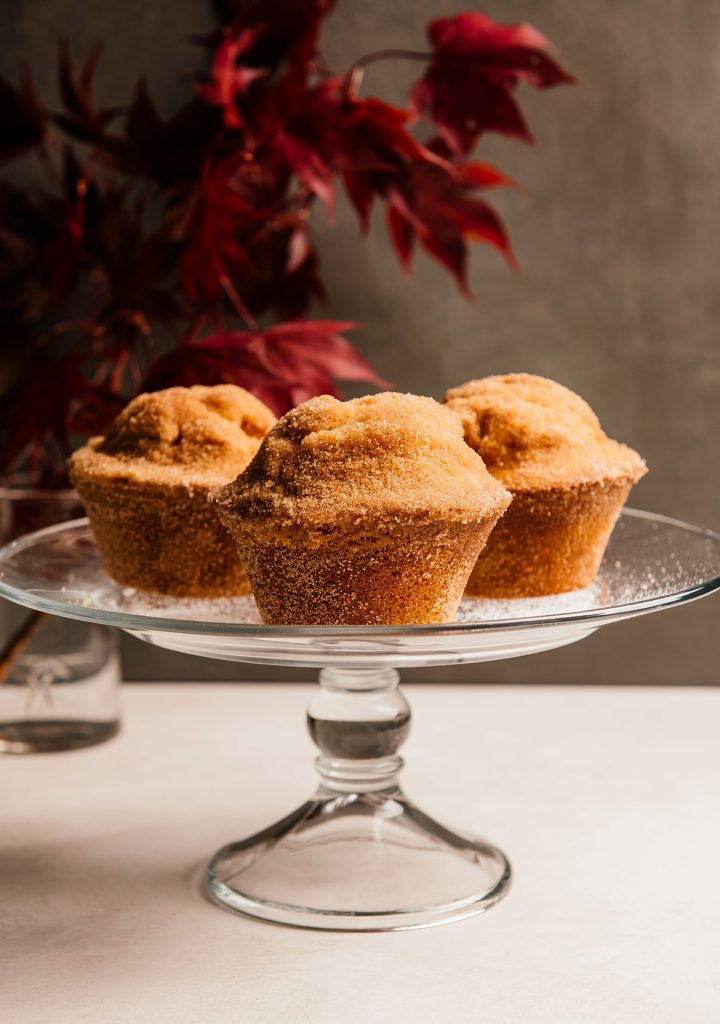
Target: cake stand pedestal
359	855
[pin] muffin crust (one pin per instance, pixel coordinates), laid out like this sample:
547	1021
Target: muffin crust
145	486
191	436
568	479
533	434
367	511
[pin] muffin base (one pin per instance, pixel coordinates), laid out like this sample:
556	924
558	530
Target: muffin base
165	540
415	575
549	542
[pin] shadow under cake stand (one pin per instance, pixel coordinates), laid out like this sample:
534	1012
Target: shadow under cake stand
359	855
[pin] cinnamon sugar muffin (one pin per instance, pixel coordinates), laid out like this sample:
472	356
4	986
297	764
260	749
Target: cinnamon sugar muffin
568	481
371	511
145	486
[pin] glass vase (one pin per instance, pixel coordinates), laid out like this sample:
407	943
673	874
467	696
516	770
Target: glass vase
58	679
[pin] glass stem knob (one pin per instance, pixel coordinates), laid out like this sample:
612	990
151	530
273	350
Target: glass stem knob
358	719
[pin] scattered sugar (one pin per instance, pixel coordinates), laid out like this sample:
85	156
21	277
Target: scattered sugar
475	609
243	610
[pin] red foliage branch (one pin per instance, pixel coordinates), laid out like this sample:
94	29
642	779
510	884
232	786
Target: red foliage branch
157	244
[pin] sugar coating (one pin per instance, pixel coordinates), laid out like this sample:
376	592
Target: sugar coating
533	433
568	479
550	541
199	435
381	459
145	487
371	511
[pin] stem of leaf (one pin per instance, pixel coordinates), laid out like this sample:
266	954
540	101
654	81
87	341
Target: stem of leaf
357	71
238	305
194	328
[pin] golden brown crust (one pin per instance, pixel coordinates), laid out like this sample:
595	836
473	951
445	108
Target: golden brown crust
162	538
549	541
199	434
417	576
330	465
364	512
568	481
533	434
145	486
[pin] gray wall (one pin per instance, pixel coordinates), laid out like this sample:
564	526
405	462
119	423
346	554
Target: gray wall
617	235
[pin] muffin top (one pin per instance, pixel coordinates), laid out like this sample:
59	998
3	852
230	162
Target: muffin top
534	434
197	435
372	462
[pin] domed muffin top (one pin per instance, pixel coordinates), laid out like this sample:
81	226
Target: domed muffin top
535	434
371	462
202	435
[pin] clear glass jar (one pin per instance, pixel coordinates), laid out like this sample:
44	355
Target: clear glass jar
58	678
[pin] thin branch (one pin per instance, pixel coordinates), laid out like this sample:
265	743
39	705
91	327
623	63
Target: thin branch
118	371
238	305
194	327
357	71
18	642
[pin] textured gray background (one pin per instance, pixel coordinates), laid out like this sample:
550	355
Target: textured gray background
617	235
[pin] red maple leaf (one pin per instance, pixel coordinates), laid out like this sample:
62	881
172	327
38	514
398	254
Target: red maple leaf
169	151
308	140
287	29
375	137
164	151
81	116
41	242
308	355
56	392
229	77
477	64
283	365
333	134
379	153
261	64
285	270
244	239
133	269
441	211
431	199
216	222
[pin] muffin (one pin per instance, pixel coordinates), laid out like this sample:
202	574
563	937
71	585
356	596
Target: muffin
371	511
145	486
567	478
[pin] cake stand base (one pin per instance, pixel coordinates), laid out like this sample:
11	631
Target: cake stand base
358	856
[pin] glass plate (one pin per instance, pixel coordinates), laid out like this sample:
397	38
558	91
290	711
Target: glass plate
651	562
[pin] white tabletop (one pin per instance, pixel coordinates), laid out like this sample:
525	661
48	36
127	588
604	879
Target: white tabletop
606	800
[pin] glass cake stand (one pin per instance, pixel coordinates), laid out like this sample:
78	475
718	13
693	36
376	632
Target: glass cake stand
359	855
